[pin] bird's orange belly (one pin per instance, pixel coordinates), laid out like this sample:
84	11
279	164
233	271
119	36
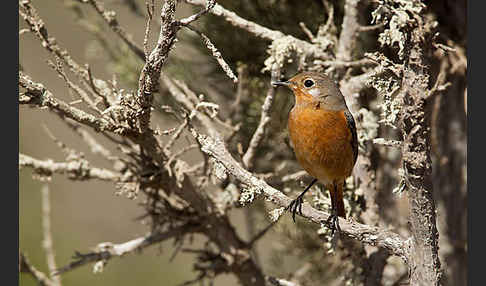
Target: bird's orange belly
322	143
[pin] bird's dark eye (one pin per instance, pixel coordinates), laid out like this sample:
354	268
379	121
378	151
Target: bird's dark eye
308	83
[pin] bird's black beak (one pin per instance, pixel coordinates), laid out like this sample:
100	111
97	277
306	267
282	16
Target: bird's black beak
281	83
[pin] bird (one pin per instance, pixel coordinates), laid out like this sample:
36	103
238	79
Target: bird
323	136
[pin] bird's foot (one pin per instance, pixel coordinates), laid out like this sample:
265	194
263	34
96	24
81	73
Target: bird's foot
294	205
333	223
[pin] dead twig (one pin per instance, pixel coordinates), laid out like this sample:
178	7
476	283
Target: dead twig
47	231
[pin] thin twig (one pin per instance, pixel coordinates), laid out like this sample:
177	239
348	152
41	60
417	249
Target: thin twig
110	19
216	54
371	27
346	64
260	31
264	120
37	94
96	147
37	26
261	234
77	170
209	5
39	276
388	143
107	250
78	90
47	231
306	31
150	12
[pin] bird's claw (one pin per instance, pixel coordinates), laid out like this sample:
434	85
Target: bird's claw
333	223
294	205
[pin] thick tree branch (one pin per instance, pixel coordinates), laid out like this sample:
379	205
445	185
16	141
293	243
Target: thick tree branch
215	148
425	263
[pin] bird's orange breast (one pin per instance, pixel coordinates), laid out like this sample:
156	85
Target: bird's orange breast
322	142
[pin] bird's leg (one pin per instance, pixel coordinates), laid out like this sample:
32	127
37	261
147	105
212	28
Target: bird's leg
297	203
333	220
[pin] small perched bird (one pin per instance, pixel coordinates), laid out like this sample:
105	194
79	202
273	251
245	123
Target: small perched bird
323	136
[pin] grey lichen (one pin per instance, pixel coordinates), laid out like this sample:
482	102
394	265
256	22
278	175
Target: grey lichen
400	16
281	50
388	86
369	126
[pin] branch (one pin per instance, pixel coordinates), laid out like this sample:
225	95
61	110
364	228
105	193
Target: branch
39	276
209	5
110	19
149	77
350	27
76	170
46	226
363	169
260	31
264	120
425	263
391	241
216	54
96	147
37	94
38	28
107	250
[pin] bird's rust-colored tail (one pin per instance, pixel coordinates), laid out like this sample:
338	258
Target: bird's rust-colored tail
336	191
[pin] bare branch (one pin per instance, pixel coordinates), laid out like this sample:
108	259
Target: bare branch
150	12
216	54
78	90
260	31
110	19
371	27
280	282
264	119
350	27
346	64
389	143
209	5
37	94
46	225
37	26
392	242
76	170
107	250
39	276
95	146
